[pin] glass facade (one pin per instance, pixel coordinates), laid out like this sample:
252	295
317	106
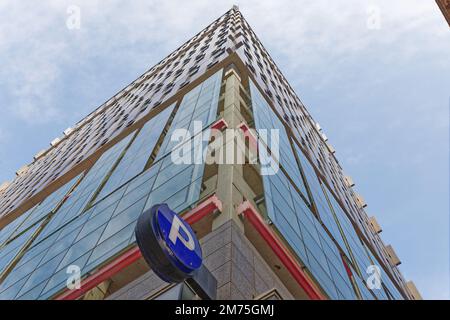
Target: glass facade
198	106
138	153
291	214
97	219
265	119
16	234
291	208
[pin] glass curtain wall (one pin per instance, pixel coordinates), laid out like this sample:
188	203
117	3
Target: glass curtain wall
291	211
97	220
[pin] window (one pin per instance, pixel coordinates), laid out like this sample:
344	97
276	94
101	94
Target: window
138	153
87	237
290	211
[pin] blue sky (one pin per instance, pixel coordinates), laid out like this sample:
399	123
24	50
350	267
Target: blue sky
375	74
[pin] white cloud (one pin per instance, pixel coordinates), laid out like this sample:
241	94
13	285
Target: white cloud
30	67
316	37
36	46
309	36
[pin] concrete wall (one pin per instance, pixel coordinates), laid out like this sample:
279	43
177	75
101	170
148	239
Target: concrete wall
240	271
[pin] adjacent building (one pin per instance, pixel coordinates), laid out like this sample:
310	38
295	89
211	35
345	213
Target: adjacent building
284	223
444	5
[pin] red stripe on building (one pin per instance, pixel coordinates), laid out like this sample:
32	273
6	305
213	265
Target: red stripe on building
211	205
250	213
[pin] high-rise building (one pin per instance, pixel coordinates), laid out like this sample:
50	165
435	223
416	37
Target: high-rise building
285	223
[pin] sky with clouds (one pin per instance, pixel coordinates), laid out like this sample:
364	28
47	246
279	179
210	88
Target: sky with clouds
374	73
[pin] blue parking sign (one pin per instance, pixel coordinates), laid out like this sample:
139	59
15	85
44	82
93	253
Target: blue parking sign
168	244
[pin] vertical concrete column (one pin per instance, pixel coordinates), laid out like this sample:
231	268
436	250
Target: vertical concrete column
227	171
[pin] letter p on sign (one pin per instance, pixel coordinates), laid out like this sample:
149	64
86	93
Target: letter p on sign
175	234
